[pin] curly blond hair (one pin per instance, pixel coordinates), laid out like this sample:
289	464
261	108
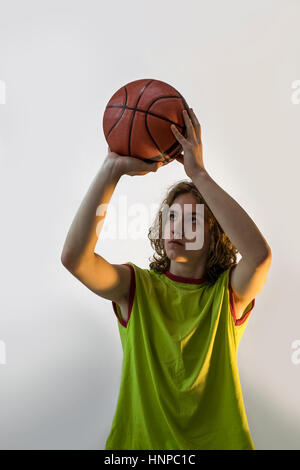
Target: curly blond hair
222	253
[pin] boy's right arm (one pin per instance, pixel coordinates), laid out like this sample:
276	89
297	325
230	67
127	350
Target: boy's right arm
110	281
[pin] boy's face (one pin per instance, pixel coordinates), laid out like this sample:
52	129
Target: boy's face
186	224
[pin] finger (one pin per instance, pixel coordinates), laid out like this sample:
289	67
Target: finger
147	162
177	134
189	125
196	122
180	159
155	166
147	165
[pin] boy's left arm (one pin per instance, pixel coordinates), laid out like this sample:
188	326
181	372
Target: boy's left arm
250	274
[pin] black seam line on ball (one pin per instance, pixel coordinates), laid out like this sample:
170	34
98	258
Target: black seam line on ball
117	121
164	154
148	112
166	158
162	157
133	114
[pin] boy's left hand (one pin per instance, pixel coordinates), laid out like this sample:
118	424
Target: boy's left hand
192	145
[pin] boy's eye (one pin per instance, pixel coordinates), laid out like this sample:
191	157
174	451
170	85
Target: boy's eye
173	215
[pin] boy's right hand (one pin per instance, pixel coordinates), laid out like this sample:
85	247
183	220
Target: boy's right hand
131	165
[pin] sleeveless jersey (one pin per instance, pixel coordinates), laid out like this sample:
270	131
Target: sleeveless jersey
180	386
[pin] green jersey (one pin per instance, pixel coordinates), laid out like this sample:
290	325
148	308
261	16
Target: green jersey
180	386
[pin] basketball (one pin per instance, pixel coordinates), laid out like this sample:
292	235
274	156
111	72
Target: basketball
137	120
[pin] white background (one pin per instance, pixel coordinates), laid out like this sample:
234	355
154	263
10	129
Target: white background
61	61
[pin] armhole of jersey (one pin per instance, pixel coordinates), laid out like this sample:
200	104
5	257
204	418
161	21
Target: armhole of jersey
116	307
247	310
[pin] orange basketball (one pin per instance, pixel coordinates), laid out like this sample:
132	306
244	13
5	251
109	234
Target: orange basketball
137	120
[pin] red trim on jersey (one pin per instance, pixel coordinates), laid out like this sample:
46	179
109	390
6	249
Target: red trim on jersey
189	280
239	321
131	297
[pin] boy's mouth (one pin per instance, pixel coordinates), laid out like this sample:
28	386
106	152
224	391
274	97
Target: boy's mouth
175	242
